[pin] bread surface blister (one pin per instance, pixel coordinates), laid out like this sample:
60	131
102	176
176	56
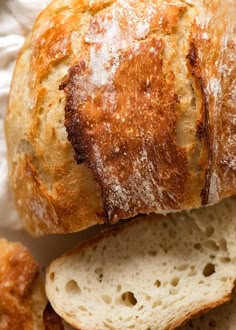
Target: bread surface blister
145	92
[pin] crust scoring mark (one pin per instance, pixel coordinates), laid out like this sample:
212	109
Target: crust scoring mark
212	63
203	126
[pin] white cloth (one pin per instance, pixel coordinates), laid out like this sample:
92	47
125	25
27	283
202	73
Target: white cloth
16	20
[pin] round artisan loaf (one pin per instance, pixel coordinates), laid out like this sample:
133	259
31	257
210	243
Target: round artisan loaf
122	107
23	303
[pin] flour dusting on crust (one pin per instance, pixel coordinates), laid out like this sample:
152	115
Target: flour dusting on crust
122	106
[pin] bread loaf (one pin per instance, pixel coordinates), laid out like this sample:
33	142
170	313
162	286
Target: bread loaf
23	303
22	297
122	107
154	273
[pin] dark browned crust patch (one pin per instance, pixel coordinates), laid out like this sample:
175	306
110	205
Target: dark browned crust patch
74	86
126	133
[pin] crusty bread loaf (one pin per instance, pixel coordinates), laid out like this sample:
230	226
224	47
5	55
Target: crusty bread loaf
146	91
22	297
222	318
148	274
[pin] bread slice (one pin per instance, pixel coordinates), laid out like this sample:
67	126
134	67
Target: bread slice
222	318
154	273
22	296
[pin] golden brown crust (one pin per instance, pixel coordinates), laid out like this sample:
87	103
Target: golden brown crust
18	285
124	159
126	132
142	70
